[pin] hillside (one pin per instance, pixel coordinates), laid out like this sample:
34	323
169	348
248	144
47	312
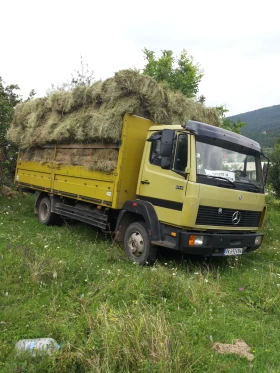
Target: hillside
263	125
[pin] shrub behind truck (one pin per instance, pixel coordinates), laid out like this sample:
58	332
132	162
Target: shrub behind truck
195	188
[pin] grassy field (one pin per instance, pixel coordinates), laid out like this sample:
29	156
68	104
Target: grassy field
74	284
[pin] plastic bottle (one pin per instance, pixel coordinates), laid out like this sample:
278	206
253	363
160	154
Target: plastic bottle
37	345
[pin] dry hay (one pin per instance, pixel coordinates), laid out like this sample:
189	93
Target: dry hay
38	155
104	160
239	347
8	192
94	113
94	159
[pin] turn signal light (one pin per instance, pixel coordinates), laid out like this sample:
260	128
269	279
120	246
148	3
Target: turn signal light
258	240
197	240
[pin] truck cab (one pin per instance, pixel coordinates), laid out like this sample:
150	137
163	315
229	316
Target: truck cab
206	187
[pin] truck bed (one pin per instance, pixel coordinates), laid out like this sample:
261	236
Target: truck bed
78	182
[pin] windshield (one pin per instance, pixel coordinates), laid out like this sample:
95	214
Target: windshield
224	167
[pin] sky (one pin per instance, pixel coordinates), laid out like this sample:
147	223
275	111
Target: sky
236	43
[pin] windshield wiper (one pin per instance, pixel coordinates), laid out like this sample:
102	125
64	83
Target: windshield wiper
220	178
249	182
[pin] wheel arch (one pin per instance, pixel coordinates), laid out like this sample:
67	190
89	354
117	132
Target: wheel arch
136	210
40	196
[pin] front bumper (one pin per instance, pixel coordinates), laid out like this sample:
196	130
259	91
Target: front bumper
216	243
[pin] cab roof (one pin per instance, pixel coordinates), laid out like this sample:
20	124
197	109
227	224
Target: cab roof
206	132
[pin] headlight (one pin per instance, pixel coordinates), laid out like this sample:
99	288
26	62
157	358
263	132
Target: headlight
197	240
258	240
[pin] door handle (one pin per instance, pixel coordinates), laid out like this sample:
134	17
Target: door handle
145	182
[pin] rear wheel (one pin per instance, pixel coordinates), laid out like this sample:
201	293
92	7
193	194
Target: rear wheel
46	216
137	244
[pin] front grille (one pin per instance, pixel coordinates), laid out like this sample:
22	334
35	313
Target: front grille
224	217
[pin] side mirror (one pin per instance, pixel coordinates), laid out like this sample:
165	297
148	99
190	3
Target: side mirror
265	167
265	172
166	143
165	163
166	148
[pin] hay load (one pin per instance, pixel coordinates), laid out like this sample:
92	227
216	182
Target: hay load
94	113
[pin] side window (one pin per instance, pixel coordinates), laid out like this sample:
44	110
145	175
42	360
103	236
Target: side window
181	158
155	158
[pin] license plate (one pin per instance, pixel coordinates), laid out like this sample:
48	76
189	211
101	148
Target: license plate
233	252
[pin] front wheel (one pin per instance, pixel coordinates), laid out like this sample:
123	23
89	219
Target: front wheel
137	244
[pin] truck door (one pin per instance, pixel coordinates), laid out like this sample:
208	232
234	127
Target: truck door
165	187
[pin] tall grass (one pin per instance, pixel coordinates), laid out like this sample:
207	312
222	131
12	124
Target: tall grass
74	284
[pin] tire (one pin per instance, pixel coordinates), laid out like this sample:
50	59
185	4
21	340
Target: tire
45	215
137	244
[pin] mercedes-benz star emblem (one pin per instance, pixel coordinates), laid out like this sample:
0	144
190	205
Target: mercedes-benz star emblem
236	218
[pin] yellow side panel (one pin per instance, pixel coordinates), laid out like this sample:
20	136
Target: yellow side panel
93	186
134	136
79	182
34	174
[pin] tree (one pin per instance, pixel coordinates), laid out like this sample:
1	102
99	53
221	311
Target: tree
9	97
227	123
80	77
179	73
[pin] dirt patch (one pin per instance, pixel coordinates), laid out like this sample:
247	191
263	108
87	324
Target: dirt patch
239	347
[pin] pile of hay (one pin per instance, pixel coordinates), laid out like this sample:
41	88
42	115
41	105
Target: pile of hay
104	160
94	113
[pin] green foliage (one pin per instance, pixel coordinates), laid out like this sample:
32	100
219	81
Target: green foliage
179	73
110	316
9	97
274	171
229	124
81	77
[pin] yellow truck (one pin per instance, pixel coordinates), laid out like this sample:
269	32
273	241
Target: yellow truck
195	188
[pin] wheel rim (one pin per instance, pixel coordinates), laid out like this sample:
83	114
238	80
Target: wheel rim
136	244
44	211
